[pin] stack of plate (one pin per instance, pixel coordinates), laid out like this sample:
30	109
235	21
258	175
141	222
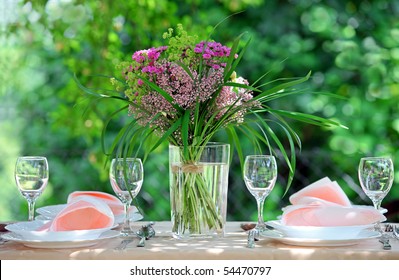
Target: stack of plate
29	234
320	236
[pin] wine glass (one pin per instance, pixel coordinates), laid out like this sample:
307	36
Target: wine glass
376	178
31	177
260	175
126	177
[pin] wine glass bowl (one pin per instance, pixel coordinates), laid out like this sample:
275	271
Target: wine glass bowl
376	178
126	178
31	177
260	175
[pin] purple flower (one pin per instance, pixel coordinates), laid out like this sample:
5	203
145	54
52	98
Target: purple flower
187	86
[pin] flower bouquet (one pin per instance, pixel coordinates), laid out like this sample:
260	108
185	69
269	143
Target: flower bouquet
185	92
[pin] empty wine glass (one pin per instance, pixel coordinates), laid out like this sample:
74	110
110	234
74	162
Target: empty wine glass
126	177
31	177
260	175
376	178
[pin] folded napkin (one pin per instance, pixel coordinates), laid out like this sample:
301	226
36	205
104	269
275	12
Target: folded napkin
324	203
85	213
113	202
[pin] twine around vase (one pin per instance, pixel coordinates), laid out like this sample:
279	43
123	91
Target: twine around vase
188	168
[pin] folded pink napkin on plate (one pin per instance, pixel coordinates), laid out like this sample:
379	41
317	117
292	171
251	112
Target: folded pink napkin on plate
113	202
324	203
85	213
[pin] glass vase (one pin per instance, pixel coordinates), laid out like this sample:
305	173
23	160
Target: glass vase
198	190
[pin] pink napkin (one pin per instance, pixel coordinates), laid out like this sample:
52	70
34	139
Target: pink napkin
113	202
85	213
324	203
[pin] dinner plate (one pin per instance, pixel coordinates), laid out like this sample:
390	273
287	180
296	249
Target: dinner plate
50	211
31	231
64	244
318	232
317	242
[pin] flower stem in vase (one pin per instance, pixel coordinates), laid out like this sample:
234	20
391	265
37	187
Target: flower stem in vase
198	196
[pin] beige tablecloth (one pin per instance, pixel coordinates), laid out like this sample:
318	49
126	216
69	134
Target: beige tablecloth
233	246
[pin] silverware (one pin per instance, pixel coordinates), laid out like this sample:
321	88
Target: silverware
252	237
395	231
145	233
2	240
388	228
385	242
122	246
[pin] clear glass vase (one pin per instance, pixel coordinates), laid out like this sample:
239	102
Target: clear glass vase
198	190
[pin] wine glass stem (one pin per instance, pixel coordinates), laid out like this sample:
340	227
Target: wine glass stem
260	203
31	207
377	206
126	224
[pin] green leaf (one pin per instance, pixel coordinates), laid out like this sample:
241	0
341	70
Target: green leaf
307	118
283	86
105	126
162	92
184	66
92	93
165	136
184	131
276	140
233	138
233	62
238	85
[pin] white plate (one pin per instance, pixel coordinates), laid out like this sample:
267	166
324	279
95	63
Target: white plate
312	242
29	230
59	244
50	211
318	232
383	210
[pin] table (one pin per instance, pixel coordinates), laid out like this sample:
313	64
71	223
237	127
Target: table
232	247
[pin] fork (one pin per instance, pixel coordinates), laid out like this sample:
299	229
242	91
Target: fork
253	235
122	246
395	231
2	240
384	239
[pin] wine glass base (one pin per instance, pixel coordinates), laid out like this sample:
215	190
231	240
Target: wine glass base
261	228
127	233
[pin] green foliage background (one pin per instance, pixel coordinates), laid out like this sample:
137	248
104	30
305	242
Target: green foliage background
351	47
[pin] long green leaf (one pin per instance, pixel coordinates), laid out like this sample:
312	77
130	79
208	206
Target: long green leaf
94	93
162	92
233	62
105	126
232	134
231	58
185	68
283	86
293	157
276	140
238	85
307	118
184	131
165	136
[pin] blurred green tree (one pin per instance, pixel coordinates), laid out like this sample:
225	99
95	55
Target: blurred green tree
352	48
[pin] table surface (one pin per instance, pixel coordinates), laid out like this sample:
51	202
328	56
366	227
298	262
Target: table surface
231	247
